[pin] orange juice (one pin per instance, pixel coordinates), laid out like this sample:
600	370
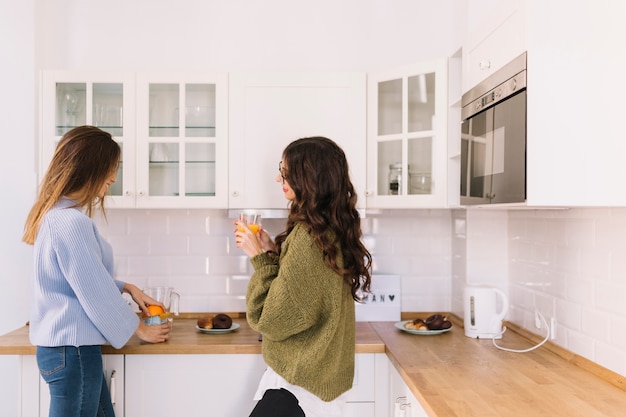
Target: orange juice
253	227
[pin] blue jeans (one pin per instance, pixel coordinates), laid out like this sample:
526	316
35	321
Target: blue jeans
76	381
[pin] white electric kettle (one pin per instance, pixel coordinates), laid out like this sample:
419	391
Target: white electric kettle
482	318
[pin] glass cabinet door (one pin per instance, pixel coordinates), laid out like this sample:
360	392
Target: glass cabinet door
70	111
93	103
407	138
182	137
105	100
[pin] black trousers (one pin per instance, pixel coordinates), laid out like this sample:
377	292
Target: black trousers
277	403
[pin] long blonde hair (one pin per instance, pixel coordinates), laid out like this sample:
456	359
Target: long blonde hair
83	160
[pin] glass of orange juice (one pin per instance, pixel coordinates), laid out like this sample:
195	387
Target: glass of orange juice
253	220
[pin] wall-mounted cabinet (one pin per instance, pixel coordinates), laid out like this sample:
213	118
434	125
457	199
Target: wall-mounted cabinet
102	99
407	136
172	128
202	140
182	140
270	110
574	145
497	35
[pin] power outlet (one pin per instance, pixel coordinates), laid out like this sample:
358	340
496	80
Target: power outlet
553	328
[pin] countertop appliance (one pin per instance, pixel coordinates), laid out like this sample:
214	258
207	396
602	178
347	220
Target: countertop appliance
493	138
484	310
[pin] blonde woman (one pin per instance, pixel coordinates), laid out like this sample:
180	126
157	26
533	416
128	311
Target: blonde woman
76	304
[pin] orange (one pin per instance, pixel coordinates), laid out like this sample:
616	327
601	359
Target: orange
155	310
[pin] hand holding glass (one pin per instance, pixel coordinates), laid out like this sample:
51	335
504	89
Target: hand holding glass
252	220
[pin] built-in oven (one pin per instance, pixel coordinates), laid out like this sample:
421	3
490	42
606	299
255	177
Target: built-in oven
493	138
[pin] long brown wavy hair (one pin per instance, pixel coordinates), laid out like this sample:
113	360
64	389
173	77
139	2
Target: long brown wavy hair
317	171
82	161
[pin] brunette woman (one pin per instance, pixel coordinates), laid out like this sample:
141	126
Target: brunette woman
302	292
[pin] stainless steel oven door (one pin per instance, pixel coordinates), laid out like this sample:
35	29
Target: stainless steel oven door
493	154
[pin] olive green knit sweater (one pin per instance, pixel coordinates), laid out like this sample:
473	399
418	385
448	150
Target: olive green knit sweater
305	312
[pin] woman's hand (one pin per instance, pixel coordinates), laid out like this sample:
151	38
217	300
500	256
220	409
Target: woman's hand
267	243
142	299
153	334
252	244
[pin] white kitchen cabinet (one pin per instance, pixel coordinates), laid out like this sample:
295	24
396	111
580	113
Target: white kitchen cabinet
172	127
102	99
182	140
192	385
496	35
223	384
36	395
407	136
365	399
269	110
402	401
574	148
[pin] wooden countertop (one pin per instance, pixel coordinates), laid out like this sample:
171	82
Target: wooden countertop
450	374
186	339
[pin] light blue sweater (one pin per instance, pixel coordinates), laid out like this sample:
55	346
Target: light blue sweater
76	301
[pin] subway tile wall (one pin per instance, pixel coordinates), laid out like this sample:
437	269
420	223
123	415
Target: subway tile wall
571	265
194	252
567	264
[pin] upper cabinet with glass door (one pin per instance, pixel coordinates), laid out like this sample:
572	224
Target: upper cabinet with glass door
105	100
407	136
182	133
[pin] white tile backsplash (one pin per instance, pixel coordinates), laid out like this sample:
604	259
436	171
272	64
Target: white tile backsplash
193	251
568	264
571	265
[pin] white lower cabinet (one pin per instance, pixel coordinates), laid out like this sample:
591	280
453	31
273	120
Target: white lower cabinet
364	399
402	401
222	385
201	385
192	385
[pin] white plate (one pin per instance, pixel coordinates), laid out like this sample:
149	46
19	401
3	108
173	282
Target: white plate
400	325
232	328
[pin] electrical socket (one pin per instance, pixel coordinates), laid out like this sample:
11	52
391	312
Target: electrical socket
553	328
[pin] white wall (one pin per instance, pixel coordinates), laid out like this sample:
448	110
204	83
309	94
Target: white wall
17	178
240	35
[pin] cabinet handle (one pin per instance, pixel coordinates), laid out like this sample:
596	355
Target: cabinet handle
112	387
483	65
400	407
235	193
141	193
128	193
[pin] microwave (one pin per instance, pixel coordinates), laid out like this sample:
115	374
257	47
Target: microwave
493	138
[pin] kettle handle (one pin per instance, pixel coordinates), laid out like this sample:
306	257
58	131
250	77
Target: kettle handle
505	303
